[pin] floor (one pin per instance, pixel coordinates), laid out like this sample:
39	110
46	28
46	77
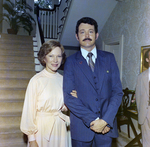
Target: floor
121	141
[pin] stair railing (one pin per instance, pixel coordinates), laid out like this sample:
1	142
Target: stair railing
63	12
51	21
39	30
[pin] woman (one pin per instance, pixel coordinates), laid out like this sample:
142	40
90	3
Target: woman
42	118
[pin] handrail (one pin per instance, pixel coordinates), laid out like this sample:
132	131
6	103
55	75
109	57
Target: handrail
63	18
45	9
39	26
51	21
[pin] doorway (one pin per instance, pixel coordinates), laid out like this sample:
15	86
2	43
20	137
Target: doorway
115	46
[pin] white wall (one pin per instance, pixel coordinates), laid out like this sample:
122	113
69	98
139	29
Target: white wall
132	19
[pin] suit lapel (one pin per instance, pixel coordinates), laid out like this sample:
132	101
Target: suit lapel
82	63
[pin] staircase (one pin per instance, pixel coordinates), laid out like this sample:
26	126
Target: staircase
16	68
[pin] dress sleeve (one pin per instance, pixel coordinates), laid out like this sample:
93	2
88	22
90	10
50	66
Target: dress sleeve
28	119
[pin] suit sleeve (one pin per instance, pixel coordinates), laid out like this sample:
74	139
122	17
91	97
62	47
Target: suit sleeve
116	93
75	105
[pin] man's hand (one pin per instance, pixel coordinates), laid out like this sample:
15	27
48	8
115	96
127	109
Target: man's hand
74	93
98	126
105	130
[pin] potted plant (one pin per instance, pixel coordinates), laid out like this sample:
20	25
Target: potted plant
18	16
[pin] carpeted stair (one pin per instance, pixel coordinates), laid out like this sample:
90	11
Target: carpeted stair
16	68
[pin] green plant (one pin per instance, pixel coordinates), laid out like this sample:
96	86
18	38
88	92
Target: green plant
18	16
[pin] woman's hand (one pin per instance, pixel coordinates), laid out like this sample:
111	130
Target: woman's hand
33	144
74	93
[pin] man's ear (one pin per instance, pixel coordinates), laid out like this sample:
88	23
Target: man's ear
147	60
97	35
77	37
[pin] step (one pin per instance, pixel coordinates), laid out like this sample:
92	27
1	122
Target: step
15	59
14	40
10	37
36	54
9	106
11	134
12	93
21	66
35	48
13	83
11	143
17	41
16	74
17	52
35	43
9	118
4	129
20	46
34	38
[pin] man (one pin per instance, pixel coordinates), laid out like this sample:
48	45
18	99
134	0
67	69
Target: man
143	101
98	89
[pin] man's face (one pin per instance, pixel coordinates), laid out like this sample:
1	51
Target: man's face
148	59
86	36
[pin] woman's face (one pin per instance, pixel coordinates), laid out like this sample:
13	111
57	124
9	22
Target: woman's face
53	60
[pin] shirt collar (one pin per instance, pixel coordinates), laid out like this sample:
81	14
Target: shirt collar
85	52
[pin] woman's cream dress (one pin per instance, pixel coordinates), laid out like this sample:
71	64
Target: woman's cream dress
42	119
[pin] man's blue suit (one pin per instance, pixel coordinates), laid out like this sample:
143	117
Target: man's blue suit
99	93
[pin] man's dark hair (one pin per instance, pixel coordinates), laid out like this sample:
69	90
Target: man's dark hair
87	20
146	55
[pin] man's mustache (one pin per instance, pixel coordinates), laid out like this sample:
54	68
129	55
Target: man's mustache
87	39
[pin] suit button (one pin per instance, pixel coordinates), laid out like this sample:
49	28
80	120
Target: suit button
96	99
98	112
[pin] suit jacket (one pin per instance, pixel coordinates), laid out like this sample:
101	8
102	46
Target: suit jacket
99	93
142	95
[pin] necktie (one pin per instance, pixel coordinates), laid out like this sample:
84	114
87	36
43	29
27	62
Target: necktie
91	63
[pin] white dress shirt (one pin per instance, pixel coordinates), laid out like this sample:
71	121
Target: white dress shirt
85	53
